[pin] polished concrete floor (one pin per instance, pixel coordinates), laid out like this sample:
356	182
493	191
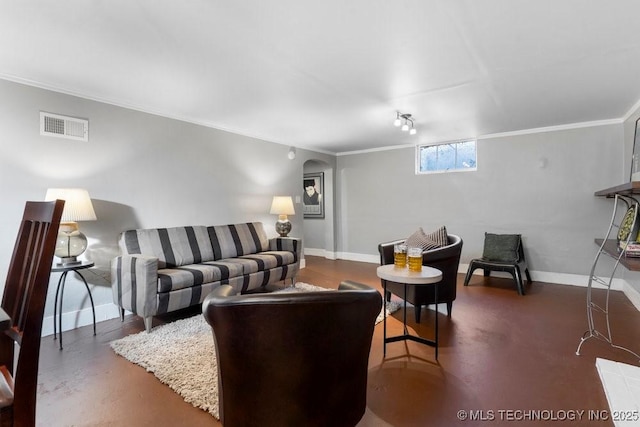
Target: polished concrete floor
504	359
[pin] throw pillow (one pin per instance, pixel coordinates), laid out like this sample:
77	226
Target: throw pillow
433	240
501	247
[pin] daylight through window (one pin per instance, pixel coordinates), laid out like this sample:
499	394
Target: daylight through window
446	157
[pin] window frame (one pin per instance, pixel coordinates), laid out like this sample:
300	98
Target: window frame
455	143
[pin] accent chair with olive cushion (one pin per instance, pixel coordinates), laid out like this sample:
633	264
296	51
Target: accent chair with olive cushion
502	252
440	250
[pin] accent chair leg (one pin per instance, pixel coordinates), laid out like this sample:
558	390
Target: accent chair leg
417	310
518	278
469	274
148	323
449	308
526	273
388	296
122	314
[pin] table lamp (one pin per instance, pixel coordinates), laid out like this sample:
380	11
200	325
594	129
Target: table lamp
71	242
282	206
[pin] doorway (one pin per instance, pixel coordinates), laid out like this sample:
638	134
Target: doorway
319	236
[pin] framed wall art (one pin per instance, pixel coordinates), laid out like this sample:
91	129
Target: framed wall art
313	203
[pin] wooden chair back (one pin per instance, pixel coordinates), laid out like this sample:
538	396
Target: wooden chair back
23	301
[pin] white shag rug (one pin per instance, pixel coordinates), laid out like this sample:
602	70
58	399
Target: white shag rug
181	354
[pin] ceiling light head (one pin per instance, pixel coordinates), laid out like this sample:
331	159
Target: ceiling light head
397	122
405	127
413	131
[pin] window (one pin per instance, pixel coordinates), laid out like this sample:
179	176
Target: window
446	157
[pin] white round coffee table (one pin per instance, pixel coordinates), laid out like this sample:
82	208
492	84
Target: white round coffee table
428	276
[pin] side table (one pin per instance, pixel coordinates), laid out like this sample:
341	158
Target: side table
428	276
65	269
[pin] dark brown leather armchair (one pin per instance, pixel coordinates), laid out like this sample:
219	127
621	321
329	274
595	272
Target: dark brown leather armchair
445	259
293	359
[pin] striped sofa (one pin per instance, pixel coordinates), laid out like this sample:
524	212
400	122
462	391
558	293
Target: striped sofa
166	269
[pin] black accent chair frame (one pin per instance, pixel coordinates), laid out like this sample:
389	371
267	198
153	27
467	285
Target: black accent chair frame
513	268
445	259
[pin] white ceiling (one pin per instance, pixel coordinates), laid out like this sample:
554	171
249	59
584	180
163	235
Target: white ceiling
330	75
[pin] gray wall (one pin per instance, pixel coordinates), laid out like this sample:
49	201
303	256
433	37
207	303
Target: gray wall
141	170
147	171
540	185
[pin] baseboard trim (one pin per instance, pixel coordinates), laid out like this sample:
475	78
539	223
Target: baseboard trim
560	279
321	253
78	318
632	294
539	276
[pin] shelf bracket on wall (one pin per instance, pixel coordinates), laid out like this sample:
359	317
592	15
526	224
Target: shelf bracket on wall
626	231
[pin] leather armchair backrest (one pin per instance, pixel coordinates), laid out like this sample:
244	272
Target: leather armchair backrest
452	250
293	358
445	259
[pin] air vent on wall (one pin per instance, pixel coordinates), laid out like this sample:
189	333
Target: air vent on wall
64	127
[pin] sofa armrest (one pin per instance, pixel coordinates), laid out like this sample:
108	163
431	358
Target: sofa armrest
134	283
291	244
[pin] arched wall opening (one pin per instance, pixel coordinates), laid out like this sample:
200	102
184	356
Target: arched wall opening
319	235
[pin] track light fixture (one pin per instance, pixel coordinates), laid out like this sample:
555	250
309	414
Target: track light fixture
397	122
406	121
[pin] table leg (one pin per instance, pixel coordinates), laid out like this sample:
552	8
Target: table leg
64	282
93	309
62	278
384	319
407	336
404	312
436	296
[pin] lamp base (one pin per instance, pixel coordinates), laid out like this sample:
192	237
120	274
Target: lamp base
283	227
71	243
68	261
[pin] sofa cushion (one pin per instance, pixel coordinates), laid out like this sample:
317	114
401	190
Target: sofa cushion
171	279
263	261
229	241
172	246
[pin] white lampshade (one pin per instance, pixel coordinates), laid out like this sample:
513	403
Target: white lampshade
77	204
282	205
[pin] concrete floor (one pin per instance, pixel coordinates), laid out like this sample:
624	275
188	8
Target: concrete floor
503	359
